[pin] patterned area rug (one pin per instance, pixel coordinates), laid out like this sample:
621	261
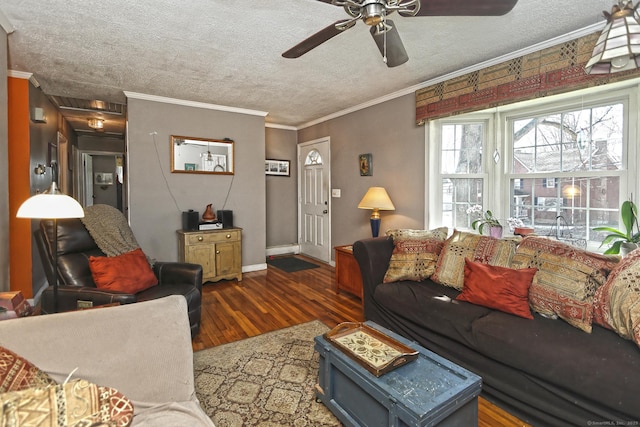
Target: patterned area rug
267	380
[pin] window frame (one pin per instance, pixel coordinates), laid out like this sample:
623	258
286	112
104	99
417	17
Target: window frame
499	124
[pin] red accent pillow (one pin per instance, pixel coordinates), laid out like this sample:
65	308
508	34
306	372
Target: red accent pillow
500	288
129	272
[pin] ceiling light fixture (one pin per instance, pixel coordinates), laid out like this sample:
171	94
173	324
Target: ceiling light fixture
96	124
618	47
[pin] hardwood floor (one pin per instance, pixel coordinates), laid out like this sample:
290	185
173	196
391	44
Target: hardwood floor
272	299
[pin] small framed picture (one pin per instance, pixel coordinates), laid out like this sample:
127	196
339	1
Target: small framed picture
102	178
189	166
277	167
365	163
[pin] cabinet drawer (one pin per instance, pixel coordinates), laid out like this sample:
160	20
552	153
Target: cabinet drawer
217	237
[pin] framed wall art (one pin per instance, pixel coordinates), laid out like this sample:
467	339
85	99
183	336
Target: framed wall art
277	167
365	163
103	178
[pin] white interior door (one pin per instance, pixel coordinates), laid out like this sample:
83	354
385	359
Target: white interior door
314	199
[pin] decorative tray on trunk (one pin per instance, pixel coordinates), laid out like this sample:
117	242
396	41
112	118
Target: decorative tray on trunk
375	351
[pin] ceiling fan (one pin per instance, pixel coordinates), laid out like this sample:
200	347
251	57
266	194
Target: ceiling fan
374	13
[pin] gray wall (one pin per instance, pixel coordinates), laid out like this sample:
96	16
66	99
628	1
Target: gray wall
4	167
40	135
158	197
282	192
387	131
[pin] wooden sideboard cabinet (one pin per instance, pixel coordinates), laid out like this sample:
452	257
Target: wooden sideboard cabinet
348	277
219	252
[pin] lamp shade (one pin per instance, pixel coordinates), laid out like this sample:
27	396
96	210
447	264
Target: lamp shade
376	198
618	46
52	204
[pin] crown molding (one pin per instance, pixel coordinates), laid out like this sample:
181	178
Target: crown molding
277	126
19	74
196	104
516	54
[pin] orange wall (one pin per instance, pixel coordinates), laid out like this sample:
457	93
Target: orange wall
19	186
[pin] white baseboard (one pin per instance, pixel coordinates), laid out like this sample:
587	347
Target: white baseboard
283	250
254	267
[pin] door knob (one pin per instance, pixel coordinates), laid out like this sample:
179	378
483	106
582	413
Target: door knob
325	211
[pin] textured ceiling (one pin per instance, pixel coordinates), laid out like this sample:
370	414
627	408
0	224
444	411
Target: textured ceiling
228	52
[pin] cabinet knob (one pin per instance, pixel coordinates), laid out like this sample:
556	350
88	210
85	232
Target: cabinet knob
217	252
228	236
200	238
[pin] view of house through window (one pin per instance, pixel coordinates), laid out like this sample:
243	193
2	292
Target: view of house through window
563	173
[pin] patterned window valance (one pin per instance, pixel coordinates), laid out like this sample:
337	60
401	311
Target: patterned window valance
551	71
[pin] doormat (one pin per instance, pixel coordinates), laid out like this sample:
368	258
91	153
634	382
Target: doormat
291	264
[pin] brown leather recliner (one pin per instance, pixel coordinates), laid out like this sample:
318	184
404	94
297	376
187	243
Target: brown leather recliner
76	284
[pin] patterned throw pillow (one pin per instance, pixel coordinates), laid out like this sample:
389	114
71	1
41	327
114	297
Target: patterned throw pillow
415	253
617	302
478	248
566	280
17	373
76	404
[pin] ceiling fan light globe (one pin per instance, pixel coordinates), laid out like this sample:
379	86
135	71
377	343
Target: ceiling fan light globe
372	20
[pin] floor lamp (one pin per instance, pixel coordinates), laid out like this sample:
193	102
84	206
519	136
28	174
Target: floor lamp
377	199
52	204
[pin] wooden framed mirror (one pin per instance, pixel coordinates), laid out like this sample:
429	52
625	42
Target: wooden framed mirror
201	155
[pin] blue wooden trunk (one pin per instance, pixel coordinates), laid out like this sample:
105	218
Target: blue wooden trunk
428	391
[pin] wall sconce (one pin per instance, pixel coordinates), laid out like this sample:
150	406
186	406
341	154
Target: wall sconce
40	169
38	116
618	46
376	199
96	124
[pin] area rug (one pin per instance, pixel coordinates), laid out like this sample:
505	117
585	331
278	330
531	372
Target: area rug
266	381
291	264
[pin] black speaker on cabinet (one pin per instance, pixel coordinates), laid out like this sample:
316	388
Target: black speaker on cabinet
226	218
190	220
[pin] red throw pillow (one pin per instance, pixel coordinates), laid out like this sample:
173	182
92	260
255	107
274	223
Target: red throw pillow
500	288
129	272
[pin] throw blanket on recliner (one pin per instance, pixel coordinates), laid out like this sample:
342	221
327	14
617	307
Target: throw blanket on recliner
110	229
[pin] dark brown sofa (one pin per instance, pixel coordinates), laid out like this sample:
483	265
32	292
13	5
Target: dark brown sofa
75	246
544	371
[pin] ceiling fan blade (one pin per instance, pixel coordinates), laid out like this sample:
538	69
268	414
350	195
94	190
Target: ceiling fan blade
465	7
396	53
317	39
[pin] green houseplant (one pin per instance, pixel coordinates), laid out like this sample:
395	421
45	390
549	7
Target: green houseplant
486	219
620	238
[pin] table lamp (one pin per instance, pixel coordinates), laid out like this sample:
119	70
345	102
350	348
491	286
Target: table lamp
52	204
376	199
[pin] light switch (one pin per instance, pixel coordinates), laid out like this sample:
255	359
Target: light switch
335	192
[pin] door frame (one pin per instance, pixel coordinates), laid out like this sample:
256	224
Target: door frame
84	178
327	165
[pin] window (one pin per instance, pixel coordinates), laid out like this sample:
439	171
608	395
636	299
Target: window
313	158
462	177
584	146
558	166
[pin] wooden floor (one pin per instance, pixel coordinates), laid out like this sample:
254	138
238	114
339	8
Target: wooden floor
272	299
